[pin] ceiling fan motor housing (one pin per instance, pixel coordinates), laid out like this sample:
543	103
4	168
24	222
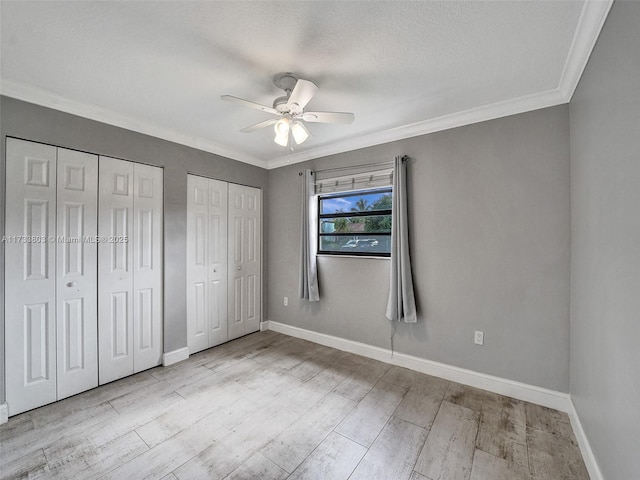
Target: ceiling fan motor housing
280	104
285	81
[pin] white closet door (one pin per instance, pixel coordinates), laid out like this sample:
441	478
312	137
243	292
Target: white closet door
244	260
30	333
76	273
217	262
147	266
115	269
206	263
197	266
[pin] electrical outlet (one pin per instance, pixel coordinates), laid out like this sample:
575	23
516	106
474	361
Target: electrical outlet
479	338
286	301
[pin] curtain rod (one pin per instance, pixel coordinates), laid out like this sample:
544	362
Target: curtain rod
351	167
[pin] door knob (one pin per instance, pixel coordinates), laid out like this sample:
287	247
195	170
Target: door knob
215	270
239	267
71	284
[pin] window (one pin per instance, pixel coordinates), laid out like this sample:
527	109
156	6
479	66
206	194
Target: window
355	223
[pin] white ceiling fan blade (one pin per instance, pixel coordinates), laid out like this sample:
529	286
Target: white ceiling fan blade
258	126
249	104
302	93
329	117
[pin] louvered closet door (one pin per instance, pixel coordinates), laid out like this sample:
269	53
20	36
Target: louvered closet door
147	266
76	272
206	263
244	302
115	269
30	308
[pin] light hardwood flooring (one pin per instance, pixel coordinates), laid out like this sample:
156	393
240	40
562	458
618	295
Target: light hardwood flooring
270	406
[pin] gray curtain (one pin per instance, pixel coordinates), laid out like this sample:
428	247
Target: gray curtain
401	305
308	248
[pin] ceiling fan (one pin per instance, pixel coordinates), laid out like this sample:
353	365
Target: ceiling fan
290	127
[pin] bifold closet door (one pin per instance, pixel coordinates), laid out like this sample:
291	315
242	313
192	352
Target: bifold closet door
76	272
206	263
30	284
50	275
244	302
129	268
147	266
115	272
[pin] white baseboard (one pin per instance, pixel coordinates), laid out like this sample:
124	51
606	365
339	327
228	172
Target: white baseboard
4	413
521	391
175	356
264	326
585	447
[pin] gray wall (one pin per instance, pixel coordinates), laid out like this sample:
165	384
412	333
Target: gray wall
39	124
490	238
605	264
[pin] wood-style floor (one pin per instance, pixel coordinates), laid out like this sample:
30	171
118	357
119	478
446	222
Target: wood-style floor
269	406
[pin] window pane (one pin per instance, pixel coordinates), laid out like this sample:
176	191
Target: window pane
359	202
356	243
369	224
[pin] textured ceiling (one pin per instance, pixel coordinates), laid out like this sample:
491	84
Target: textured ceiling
404	68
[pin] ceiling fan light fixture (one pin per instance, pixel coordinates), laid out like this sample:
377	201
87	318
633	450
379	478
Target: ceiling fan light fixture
282	127
282	140
290	128
299	132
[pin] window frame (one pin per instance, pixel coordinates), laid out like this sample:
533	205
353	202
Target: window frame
368	213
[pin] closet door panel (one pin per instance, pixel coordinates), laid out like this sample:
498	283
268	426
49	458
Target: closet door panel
217	262
76	272
147	266
245	260
252	263
236	303
206	263
197	263
30	335
115	269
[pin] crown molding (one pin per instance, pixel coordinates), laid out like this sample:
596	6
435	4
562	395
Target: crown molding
592	18
590	23
103	115
445	122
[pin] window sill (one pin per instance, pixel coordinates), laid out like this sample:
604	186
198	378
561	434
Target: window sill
369	257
